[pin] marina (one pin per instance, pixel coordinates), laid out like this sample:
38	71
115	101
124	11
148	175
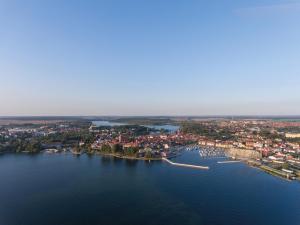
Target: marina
207	152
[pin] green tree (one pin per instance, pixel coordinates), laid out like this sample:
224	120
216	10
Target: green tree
106	148
117	148
131	151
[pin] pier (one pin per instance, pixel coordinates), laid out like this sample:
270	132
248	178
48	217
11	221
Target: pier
232	161
186	165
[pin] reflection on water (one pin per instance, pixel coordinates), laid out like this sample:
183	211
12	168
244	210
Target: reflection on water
63	189
170	128
130	162
107	123
106	159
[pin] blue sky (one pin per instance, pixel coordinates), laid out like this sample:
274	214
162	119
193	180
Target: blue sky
150	57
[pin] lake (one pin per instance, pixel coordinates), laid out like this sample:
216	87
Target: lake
62	189
168	127
100	123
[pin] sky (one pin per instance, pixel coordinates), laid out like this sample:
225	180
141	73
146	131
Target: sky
149	57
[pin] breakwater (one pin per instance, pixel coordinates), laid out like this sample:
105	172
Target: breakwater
186	165
231	161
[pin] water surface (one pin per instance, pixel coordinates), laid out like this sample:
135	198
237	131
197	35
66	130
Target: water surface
62	189
168	127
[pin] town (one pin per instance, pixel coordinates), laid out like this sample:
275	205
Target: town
272	145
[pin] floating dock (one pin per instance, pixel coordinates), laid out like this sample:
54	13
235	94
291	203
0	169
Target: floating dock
186	165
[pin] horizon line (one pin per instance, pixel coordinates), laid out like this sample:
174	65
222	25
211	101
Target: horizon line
140	115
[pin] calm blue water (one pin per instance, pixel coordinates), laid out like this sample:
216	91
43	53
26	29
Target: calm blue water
92	190
107	123
170	128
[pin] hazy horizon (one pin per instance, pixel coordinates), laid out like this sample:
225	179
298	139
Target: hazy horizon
152	58
150	116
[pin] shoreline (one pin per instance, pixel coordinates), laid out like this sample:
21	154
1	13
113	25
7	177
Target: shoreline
248	162
127	157
269	170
